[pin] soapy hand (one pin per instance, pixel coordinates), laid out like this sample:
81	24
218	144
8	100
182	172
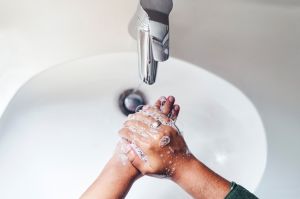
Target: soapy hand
153	131
151	144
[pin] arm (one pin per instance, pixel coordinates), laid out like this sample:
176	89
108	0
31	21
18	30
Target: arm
114	181
173	160
117	178
199	181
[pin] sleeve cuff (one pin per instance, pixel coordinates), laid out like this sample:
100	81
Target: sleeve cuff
239	192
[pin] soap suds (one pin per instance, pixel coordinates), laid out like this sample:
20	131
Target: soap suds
164	141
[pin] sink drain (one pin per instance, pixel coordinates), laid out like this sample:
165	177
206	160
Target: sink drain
130	100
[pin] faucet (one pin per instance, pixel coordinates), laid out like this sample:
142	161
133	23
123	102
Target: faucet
150	27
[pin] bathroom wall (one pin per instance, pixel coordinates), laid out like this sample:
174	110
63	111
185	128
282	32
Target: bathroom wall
252	43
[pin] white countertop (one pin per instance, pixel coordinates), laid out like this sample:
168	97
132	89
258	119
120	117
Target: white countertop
253	44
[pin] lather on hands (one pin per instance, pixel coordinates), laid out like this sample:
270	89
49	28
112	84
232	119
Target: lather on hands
152	145
153	130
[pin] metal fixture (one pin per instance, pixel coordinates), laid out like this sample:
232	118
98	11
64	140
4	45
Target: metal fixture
150	27
130	100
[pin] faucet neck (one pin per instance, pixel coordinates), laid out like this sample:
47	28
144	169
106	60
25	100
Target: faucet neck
151	28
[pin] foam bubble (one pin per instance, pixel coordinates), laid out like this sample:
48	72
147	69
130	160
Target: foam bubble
164	141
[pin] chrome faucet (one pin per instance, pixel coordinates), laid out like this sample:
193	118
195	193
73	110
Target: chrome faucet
150	27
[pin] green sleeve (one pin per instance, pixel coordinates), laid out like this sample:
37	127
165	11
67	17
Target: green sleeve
239	192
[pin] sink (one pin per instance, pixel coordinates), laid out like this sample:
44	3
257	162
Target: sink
61	127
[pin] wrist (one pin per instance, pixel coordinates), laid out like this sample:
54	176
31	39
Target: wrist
184	167
200	181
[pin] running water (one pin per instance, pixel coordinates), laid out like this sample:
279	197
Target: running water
136	89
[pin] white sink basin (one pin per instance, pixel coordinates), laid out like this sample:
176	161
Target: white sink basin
61	127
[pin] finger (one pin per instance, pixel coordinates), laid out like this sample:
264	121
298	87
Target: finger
175	112
160	102
132	137
136	125
167	107
137	162
126	134
124	146
157	103
156	114
142	128
132	155
146	119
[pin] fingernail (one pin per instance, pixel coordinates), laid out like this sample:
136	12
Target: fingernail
171	99
176	108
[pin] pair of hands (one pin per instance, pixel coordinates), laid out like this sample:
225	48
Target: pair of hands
152	145
152	133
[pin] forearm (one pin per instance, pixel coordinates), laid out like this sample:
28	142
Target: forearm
114	181
199	181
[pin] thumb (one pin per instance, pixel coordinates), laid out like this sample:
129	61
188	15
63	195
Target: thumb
137	162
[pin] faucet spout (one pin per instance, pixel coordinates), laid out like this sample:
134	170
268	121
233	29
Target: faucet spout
151	30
